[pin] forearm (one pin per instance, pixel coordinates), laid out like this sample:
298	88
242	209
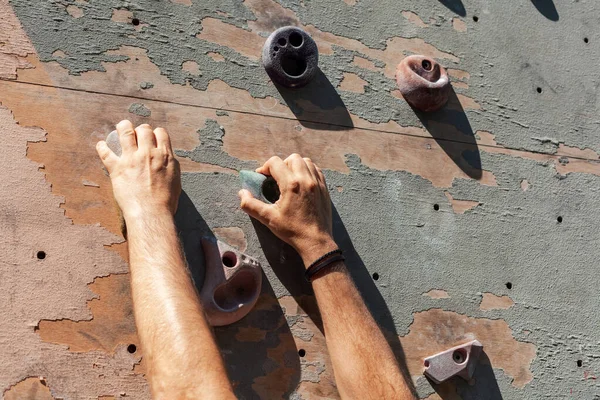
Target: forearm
363	362
176	339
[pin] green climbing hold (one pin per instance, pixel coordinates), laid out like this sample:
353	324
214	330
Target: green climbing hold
261	186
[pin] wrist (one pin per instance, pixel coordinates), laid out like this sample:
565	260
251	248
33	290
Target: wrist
141	214
311	250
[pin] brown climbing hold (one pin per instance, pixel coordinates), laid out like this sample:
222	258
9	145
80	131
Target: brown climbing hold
232	283
423	82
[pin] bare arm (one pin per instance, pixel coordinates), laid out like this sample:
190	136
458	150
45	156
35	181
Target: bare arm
182	357
363	362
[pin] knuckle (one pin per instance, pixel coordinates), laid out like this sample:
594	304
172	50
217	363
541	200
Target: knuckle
293	184
295	156
311	185
144	126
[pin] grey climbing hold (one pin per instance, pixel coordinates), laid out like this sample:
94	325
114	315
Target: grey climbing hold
113	143
261	186
290	57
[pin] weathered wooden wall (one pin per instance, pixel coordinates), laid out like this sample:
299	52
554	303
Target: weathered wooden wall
450	220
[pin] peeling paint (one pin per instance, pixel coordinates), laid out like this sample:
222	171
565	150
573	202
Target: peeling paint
490	301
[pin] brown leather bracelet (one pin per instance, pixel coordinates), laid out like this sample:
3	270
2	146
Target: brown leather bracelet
323	262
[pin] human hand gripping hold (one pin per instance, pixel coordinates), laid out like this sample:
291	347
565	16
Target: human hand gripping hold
302	215
146	177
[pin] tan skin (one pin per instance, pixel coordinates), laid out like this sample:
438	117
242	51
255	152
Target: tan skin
182	357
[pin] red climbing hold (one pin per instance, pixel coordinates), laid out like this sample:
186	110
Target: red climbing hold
423	82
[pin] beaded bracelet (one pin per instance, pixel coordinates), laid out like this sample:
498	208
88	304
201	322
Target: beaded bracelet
322	262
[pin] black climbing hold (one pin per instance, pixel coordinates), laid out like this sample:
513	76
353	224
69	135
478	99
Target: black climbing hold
290	57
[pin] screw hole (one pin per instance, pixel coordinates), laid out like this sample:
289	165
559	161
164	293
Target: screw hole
436	207
132	348
459	356
276	49
475	18
508	285
579	363
427	65
41	255
375	276
229	259
586	40
296	39
301	352
135	21
559	219
539	90
282	42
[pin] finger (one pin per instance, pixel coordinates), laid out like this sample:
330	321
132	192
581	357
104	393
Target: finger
321	175
163	141
106	155
276	168
255	208
312	168
127	136
145	137
298	166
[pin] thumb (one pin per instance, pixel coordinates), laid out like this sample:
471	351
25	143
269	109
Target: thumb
255	208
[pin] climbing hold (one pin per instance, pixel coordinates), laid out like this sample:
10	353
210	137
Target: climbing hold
423	82
261	186
113	143
457	361
290	57
232	283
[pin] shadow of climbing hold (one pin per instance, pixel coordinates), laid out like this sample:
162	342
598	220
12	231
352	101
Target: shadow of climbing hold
261	186
456	6
423	82
290	57
457	361
232	283
547	9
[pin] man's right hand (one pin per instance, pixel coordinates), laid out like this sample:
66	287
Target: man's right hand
302	215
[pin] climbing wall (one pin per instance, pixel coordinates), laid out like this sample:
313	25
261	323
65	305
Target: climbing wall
477	221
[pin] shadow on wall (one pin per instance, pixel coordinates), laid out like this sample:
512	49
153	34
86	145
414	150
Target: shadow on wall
456	6
458	143
547	9
485	387
245	356
289	268
317	105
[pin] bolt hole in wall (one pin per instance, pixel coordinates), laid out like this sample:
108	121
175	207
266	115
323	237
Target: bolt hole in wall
229	259
135	21
436	207
559	219
41	255
375	276
539	90
475	18
508	285
579	363
132	348
301	352
586	40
